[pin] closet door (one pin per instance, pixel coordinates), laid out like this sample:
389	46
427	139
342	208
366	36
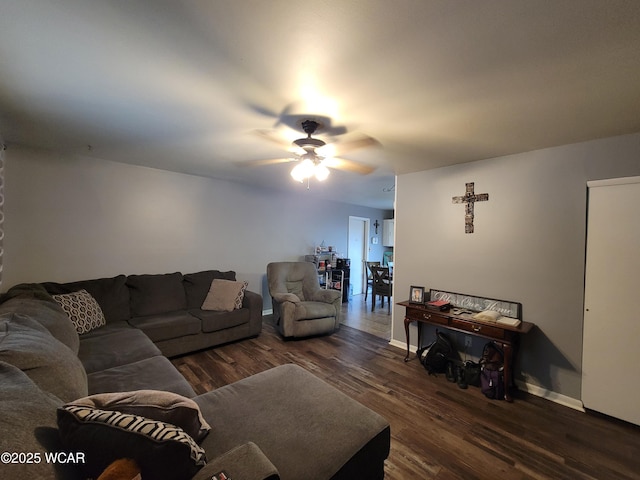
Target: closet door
611	349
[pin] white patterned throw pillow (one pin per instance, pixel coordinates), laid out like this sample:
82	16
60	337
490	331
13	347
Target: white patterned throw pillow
82	309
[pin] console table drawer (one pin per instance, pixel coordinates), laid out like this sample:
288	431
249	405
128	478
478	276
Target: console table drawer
488	330
425	316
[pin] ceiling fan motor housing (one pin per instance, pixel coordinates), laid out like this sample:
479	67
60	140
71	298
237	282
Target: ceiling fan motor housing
308	143
310	126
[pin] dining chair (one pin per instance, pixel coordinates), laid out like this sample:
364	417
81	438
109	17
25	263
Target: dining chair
382	286
369	277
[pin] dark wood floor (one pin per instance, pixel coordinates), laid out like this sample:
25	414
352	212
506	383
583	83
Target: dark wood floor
438	430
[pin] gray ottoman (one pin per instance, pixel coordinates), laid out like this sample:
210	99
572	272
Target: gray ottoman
306	428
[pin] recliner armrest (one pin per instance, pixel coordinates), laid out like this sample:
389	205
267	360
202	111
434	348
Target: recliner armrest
326	296
244	462
286	297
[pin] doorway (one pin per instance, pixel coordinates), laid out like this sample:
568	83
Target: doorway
611	334
357	252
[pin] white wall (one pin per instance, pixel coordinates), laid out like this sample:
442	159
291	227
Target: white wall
528	245
72	218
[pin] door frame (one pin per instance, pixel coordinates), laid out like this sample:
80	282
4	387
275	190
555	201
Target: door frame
365	248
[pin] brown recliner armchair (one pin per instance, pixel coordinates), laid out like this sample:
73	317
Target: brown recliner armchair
300	307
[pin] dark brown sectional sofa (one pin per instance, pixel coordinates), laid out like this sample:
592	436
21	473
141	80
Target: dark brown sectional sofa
281	423
166	307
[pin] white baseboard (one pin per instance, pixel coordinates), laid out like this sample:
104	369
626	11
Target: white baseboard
549	395
525	387
399	344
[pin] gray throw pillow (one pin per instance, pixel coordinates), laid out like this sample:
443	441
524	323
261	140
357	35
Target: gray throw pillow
47	313
51	365
28	424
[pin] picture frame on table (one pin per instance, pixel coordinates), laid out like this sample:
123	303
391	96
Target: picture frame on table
416	295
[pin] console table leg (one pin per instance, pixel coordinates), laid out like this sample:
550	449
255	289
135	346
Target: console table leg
508	358
407	322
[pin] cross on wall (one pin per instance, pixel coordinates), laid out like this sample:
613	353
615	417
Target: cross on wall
469	199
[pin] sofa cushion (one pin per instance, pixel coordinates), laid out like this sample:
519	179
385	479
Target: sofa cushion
224	295
166	326
49	314
154	294
28	424
162	450
213	321
108	329
114	349
154	373
52	366
197	285
111	294
158	405
82	309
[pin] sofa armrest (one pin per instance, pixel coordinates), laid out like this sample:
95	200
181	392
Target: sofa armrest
326	296
244	462
253	301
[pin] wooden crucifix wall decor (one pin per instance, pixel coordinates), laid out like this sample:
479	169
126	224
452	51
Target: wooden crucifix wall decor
469	199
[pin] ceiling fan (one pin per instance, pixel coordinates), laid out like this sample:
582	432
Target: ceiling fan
314	156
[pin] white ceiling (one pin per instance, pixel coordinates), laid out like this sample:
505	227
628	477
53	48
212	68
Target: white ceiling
183	85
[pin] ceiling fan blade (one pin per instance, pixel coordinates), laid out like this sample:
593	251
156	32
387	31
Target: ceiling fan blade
273	137
354	143
335	131
285	112
263	162
265	111
348	165
262	110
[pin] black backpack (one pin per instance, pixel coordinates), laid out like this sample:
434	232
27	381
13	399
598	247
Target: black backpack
434	356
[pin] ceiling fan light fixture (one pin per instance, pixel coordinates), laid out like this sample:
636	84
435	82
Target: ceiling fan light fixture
296	173
303	170
308	168
321	172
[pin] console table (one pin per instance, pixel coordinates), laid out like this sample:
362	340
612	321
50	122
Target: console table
505	336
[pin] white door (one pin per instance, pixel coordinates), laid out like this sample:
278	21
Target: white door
611	343
357	252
